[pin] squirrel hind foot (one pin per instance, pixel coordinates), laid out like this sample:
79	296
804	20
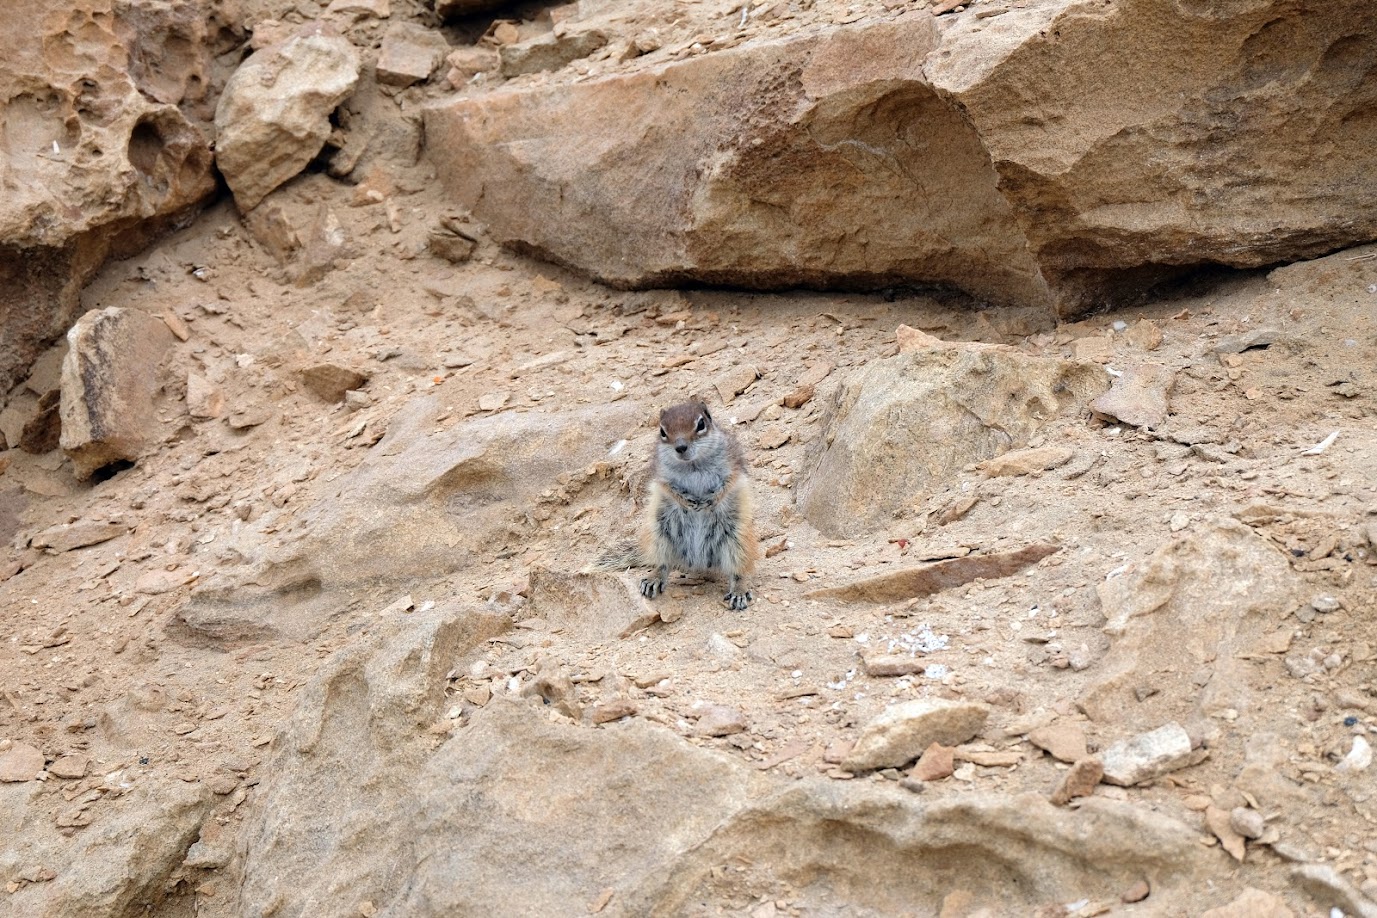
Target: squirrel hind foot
738	602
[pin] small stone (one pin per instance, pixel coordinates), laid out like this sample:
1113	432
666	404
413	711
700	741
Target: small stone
1325	604
799	397
1247	822
773	437
21	762
1065	742
557	690
70	767
1079	781
492	401
1145	334
612	710
222	785
465	63
837	751
1136	893
902	731
329	381
1359	758
410	54
550	52
936	762
1147	756
175	324
893	664
735	382
1218	822
1026	461
70	536
1138	397
203	400
252	416
721	720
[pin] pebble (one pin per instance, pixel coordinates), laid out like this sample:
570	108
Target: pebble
1136	893
1247	822
492	401
1219	822
1026	461
222	785
773	437
1079	781
936	762
609	711
1146	756
720	720
734	382
1359	758
1325	604
893	664
21	762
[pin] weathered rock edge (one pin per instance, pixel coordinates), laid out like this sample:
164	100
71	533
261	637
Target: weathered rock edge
1062	155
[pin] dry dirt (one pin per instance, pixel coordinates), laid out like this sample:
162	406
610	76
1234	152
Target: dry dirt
96	663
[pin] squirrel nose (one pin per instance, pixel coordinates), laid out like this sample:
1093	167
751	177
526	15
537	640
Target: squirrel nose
681	448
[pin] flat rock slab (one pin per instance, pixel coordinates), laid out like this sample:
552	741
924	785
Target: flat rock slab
1026	461
70	536
933	578
903	731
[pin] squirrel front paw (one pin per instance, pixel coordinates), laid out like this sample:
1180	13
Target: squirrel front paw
652	587
737	602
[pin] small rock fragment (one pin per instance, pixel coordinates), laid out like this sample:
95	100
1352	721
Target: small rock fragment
21	762
329	381
893	664
609	711
1138	397
720	720
410	53
1026	461
550	52
1247	822
1145	334
203	400
1079	781
902	731
1359	758
1065	742
70	766
70	536
557	690
1147	756
773	437
1136	893
1218	822
735	382
492	401
936	762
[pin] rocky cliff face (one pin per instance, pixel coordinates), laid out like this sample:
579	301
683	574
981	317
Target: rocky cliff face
105	144
1052	618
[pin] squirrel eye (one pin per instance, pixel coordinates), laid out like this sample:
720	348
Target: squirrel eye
663	435
702	425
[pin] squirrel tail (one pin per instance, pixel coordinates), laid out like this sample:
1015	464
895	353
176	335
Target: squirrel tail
619	557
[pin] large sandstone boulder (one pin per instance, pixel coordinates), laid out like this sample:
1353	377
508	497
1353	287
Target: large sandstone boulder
902	424
105	142
1062	153
379	801
110	387
274	116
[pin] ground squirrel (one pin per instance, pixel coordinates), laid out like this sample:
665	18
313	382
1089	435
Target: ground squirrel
698	515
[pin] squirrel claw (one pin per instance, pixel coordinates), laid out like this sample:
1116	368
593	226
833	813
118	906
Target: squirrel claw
652	588
737	602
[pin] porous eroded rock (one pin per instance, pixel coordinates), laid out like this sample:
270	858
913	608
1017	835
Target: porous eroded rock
104	144
362	803
274	115
901	424
903	731
817	159
1062	153
110	386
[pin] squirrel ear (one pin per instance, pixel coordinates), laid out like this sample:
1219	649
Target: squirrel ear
704	408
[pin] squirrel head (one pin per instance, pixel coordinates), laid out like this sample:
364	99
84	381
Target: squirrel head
687	432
